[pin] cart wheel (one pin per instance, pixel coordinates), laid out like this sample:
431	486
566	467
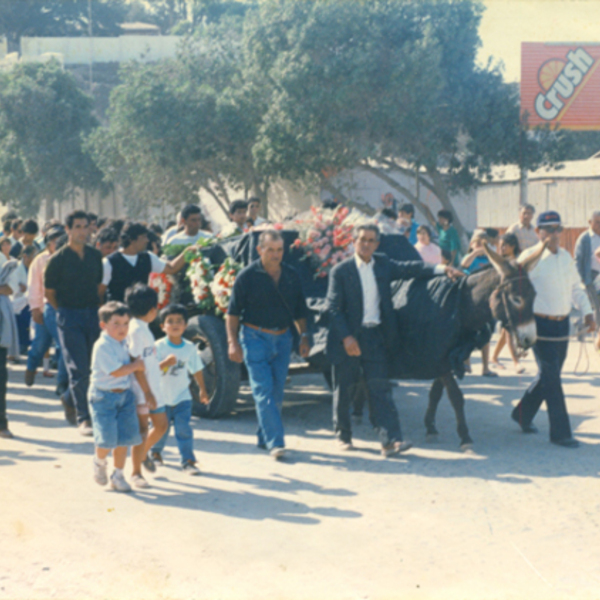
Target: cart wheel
222	376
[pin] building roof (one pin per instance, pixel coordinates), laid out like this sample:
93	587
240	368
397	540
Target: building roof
139	28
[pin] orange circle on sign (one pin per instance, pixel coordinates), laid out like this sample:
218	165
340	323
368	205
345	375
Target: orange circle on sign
549	71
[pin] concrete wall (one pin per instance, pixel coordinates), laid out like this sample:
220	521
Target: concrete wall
82	50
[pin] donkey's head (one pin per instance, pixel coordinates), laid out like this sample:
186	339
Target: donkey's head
511	302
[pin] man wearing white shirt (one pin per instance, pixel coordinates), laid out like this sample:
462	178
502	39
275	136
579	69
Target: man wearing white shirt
253	210
558	286
362	334
133	264
192	219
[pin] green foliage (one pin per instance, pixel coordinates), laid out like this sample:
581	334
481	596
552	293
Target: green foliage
390	83
184	123
43	116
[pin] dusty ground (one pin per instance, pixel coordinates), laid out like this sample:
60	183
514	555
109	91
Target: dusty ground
517	518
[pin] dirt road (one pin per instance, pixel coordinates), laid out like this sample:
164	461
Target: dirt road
516	518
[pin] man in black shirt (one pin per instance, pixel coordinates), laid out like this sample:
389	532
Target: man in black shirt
71	285
267	299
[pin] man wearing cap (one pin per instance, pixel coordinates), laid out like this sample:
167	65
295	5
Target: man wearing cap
43	314
557	286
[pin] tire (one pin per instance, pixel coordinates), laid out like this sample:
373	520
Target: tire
222	377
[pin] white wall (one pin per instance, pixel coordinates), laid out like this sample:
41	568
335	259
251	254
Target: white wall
365	188
80	50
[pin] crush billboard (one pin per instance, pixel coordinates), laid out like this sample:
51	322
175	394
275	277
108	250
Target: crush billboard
560	84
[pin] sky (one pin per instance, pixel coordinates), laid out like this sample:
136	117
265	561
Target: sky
507	23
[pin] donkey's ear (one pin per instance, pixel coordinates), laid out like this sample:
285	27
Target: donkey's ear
529	263
498	262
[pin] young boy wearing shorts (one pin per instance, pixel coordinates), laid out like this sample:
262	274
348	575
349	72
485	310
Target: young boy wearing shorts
142	302
177	358
112	403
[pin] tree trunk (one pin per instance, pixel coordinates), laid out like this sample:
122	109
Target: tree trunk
436	186
442	194
338	194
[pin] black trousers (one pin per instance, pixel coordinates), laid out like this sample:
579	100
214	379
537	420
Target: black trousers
78	330
373	366
547	386
3	380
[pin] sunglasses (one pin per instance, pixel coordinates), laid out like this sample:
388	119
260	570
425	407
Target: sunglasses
552	228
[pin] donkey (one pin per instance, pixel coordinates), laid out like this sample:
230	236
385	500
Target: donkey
502	292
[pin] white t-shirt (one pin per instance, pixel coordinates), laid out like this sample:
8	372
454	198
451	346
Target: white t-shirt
141	344
157	265
182	239
175	381
18	298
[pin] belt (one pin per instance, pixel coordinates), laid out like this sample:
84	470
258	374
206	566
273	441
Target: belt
119	390
370	325
552	317
271	331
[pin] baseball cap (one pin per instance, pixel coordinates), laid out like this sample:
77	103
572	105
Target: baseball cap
549	218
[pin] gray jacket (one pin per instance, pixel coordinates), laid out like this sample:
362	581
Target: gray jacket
9	335
583	257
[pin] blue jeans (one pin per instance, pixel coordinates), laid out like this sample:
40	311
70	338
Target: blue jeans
115	419
267	359
23	321
43	337
78	330
180	415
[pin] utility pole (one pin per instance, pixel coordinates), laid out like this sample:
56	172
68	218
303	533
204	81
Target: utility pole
90	34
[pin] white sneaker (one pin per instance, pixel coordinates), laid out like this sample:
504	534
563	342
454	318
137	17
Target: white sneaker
139	482
118	483
100	476
190	468
277	453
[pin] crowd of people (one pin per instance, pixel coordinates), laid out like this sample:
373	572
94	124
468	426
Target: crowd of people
81	287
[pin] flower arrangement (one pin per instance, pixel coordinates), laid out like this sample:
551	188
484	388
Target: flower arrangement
325	236
199	274
222	284
163	285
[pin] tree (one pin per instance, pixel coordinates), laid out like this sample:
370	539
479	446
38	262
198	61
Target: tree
58	18
43	117
387	86
184	124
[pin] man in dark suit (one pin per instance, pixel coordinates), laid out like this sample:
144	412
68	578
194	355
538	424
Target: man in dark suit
362	332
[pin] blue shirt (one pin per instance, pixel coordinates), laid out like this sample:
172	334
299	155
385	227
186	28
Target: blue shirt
412	236
257	300
478	262
108	356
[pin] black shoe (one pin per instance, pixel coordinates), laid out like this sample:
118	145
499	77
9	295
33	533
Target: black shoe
566	442
70	414
149	464
525	427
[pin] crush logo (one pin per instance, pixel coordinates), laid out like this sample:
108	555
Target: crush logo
559	79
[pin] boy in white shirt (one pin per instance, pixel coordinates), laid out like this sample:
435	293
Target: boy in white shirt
178	357
111	401
143	302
